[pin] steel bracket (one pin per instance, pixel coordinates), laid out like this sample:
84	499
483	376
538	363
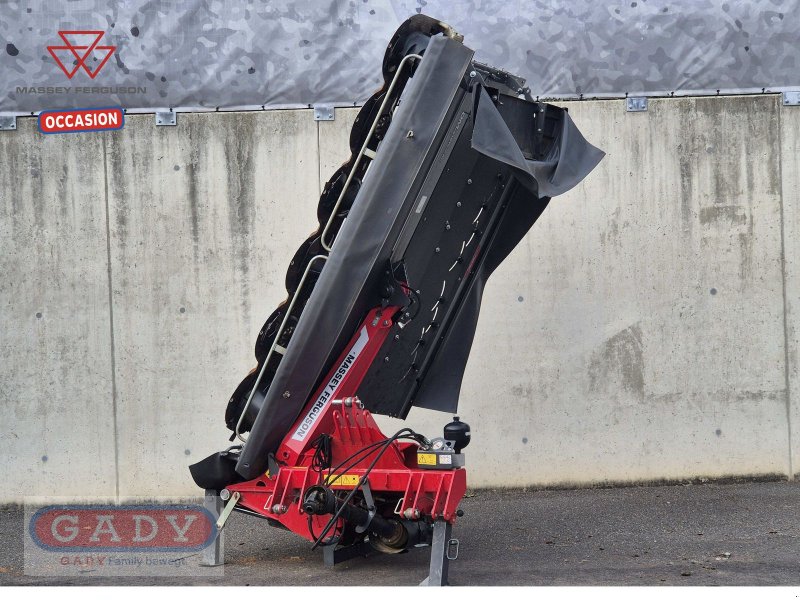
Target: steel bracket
8	123
166	118
223	517
332	556
636	104
370	506
324	112
791	98
213	555
444	548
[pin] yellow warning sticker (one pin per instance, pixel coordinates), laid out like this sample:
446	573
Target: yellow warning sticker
426	459
345	480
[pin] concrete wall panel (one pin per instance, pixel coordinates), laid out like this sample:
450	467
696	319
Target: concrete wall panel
637	332
205	218
790	170
57	433
334	143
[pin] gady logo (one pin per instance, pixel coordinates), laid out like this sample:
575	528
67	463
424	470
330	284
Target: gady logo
161	528
79	47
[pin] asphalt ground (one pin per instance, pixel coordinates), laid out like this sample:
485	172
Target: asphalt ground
707	534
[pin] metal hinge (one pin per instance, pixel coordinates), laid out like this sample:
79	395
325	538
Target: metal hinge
8	123
167	118
791	98
636	104
324	112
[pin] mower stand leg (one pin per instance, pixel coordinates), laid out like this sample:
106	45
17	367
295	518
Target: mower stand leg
213	555
333	556
440	553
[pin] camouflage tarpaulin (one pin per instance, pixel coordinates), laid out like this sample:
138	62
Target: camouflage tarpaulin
204	54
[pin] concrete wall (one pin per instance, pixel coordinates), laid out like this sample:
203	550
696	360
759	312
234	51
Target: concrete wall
647	328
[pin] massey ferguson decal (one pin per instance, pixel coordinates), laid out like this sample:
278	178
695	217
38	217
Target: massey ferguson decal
332	386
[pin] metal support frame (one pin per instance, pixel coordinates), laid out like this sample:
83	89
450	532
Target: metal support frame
636	104
213	555
371	509
444	548
8	122
331	555
791	98
166	118
324	235
324	112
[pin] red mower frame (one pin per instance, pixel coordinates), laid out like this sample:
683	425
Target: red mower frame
425	495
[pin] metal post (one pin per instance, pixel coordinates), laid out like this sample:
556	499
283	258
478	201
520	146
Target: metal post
440	548
213	555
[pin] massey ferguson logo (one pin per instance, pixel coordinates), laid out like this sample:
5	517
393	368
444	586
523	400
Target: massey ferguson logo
81	50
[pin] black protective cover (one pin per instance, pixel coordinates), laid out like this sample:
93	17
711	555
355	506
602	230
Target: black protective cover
481	203
456	148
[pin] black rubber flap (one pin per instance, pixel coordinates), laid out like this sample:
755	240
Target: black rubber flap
567	163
